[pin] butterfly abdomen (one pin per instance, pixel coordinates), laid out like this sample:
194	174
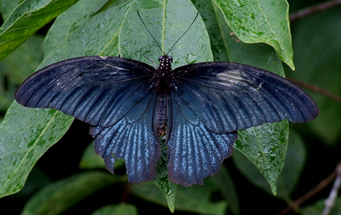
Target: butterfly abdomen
161	117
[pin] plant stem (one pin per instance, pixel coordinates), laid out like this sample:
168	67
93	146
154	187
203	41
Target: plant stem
316	89
333	193
312	192
313	9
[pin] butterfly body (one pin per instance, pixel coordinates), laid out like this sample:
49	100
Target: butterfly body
163	79
130	104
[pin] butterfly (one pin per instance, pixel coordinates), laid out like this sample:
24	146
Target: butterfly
130	105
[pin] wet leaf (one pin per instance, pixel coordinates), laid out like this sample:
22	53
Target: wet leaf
167	188
265	146
262	21
71	19
26	134
294	162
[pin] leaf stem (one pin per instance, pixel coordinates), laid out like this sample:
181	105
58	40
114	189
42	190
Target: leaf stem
313	9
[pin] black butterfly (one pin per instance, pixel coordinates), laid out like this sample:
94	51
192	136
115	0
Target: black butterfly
129	104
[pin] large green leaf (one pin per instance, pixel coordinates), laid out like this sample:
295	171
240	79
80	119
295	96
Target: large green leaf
25	136
28	17
61	195
261	21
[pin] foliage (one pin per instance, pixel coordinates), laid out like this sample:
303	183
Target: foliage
256	33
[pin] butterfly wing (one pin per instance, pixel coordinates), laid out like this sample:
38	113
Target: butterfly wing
227	97
114	96
194	152
133	140
97	90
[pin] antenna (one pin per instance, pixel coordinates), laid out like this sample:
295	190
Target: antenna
183	33
138	13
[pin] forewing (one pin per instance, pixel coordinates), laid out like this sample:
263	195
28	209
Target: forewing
228	97
194	152
97	90
132	139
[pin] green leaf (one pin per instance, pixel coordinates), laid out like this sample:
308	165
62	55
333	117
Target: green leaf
95	36
161	179
258	55
74	17
318	207
265	146
261	21
214	29
121	209
192	199
318	63
26	19
294	162
61	195
91	160
26	134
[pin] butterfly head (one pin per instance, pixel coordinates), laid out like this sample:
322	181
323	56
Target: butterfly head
165	63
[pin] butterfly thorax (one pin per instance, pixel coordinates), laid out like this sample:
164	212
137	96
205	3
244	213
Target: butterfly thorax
163	74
